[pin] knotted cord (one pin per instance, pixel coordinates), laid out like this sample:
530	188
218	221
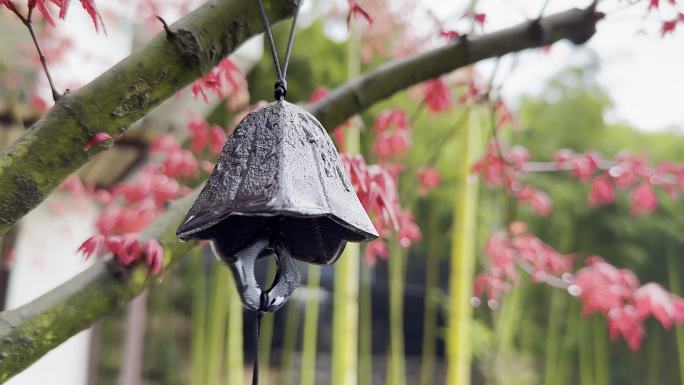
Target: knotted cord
281	84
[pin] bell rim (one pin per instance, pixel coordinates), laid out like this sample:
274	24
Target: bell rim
367	236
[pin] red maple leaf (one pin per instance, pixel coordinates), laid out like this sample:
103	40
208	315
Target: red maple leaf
214	80
539	200
42	8
92	246
668	27
374	251
318	94
63	7
437	96
199	134
626	321
355	10
395	117
644	199
180	163
96	139
8	3
409	232
154	256
429	179
449	34
602	192
89	6
217	138
653	299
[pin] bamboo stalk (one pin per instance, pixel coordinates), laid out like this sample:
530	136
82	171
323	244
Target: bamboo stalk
366	326
563	359
397	360
586	358
198	318
552	337
508	319
215	336
601	355
346	290
345	318
429	353
290	342
310	338
653	357
462	259
554	364
235	364
568	356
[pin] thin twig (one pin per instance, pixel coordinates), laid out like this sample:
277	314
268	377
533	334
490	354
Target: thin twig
416	112
548	279
19	15
555	167
440	145
43	61
543	8
169	33
492	114
29	25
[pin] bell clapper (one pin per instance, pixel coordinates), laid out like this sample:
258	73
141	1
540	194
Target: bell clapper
242	265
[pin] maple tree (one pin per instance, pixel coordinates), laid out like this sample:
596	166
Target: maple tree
177	167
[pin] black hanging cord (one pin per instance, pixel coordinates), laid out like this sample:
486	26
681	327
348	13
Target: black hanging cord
257	340
290	39
281	83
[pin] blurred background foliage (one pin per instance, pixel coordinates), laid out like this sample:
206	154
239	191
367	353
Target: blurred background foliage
537	334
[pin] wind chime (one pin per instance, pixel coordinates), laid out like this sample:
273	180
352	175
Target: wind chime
278	188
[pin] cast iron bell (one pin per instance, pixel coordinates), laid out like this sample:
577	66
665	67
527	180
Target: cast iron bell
278	188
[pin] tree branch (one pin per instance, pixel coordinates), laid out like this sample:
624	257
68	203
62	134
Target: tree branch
576	25
32	330
54	146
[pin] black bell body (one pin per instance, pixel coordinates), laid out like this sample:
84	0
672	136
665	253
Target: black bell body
279	177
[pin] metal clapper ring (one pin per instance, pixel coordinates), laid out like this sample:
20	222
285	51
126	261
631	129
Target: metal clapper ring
286	280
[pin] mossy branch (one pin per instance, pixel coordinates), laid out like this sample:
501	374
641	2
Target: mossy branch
30	331
53	147
32	167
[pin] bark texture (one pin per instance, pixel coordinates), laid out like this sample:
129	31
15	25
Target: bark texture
53	147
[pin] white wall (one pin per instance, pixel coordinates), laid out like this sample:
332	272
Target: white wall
45	257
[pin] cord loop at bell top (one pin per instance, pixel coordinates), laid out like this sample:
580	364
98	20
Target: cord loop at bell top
280	89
